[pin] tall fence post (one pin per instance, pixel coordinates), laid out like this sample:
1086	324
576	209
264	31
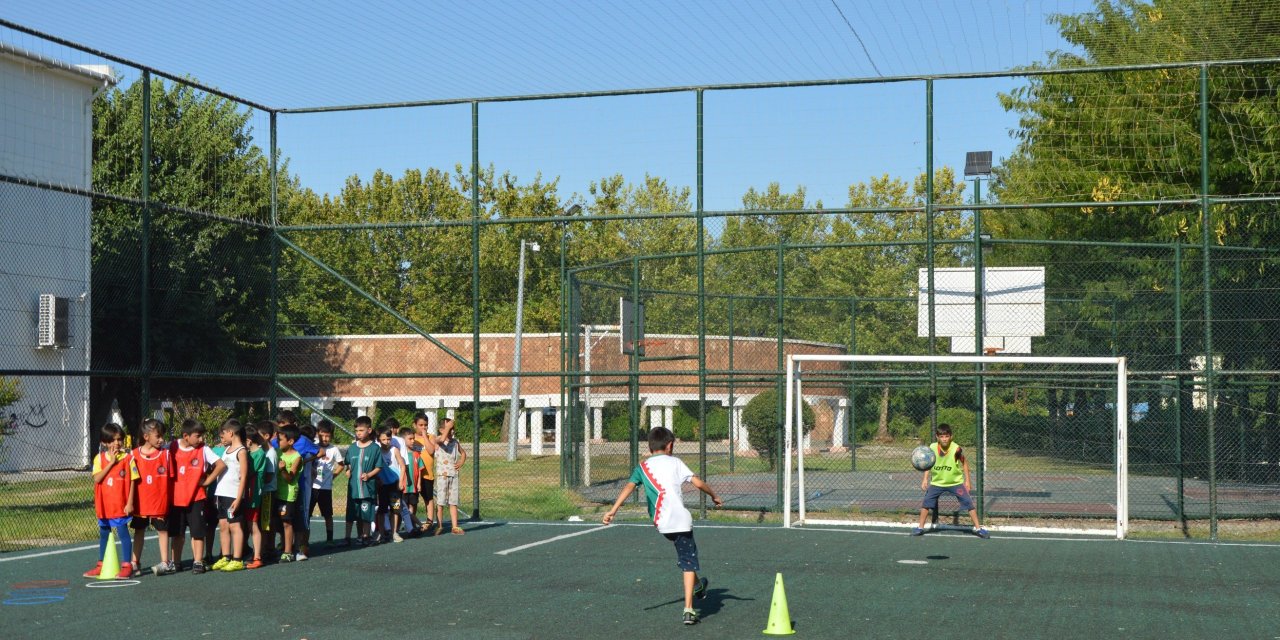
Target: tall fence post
702	322
929	250
1205	230
273	356
145	254
781	405
475	308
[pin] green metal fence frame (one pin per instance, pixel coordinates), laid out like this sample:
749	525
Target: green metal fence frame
280	241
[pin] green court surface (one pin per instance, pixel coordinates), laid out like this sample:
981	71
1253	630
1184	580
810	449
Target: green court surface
582	580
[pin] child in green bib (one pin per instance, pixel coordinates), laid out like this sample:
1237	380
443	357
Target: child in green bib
950	474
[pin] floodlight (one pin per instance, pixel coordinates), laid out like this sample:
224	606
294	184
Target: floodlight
977	163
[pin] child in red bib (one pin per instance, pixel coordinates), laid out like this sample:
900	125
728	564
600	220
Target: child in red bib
113	476
155	465
191	461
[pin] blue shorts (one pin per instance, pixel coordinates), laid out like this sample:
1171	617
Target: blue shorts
112	523
686	550
962	494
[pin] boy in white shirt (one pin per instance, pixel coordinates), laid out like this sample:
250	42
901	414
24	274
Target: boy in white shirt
328	465
662	475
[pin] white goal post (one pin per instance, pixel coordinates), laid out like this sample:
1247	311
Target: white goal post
799	364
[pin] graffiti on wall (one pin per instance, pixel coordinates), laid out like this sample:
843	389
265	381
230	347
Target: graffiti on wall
25	416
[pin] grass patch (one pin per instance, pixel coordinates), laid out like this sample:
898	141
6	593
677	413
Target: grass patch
537	503
46	513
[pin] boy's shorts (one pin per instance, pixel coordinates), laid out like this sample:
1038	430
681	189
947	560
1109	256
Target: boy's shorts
389	496
686	550
427	489
446	491
324	499
361	510
112	523
140	523
288	511
252	514
191	516
225	513
931	496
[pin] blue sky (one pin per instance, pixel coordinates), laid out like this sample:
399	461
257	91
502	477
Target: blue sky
291	54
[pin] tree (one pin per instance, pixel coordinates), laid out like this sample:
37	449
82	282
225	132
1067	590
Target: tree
889	270
209	272
1135	135
760	416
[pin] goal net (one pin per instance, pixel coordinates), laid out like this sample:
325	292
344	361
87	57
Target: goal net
1044	438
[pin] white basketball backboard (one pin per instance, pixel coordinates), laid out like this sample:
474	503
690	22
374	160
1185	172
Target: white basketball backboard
1013	302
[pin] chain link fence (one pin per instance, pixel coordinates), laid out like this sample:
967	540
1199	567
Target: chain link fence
177	267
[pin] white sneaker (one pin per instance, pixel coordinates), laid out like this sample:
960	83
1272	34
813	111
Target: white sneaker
396	538
299	556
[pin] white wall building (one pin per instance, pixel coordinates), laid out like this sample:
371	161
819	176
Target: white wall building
46	136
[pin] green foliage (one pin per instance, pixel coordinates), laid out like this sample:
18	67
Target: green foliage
210	274
10	391
208	415
963	423
491	416
617	423
685	417
763	427
902	426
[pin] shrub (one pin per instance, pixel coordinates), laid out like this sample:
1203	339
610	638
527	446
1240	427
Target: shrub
210	416
964	428
761	419
685	417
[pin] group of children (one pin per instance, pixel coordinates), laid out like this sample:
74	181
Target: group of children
261	474
261	485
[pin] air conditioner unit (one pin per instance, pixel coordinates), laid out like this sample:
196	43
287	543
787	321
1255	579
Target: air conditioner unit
54	313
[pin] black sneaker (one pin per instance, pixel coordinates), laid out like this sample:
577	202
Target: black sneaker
198	568
917	531
700	589
690	616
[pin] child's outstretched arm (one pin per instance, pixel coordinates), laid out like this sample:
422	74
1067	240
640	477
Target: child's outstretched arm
617	504
706	488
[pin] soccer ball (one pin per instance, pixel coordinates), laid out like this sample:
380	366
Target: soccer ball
922	458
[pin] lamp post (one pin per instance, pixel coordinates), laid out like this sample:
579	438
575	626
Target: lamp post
513	430
978	164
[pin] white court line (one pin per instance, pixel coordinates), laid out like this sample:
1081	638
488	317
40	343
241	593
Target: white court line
552	539
6	558
878	532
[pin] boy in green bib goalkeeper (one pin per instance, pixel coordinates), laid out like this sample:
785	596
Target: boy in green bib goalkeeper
950	474
663	476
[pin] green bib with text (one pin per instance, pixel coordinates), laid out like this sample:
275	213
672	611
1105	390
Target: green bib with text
946	470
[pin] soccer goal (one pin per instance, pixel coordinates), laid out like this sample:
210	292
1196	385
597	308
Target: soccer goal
1044	437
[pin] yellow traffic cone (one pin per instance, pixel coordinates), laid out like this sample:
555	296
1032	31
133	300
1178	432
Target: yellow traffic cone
779	618
110	559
